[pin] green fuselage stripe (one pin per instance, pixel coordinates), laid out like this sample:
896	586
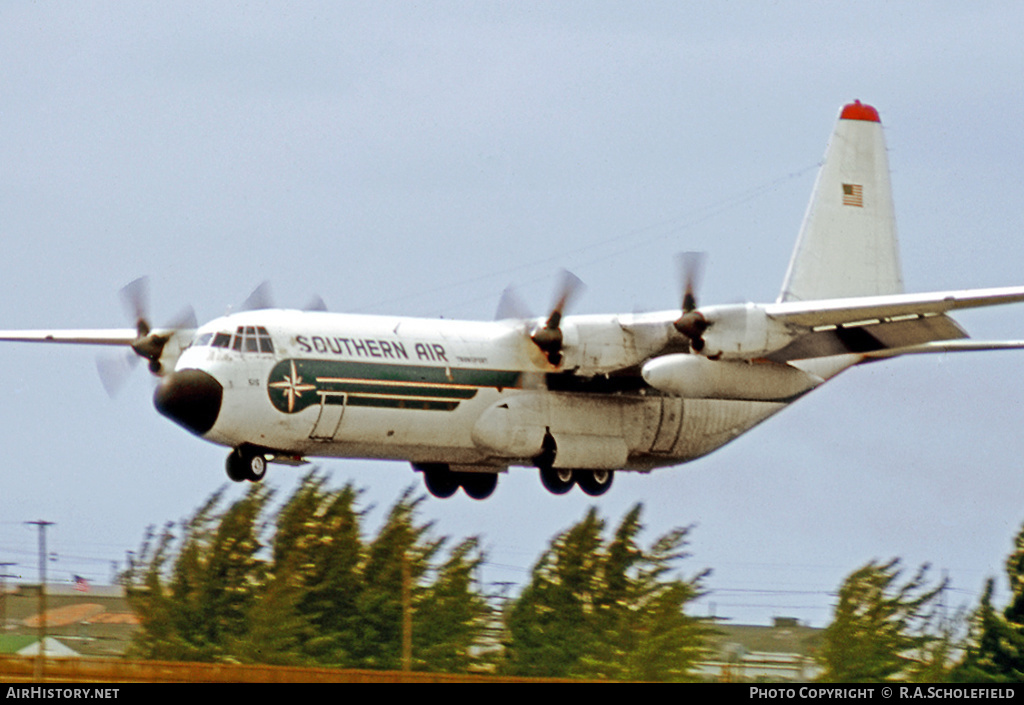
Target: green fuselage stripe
297	384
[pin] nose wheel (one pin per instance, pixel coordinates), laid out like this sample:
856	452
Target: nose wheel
246	463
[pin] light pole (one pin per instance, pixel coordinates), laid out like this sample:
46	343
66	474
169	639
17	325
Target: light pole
42	595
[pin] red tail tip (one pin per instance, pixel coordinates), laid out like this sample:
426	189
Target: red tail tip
859	111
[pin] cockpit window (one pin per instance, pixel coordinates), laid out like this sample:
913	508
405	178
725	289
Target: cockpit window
251	343
222	340
266	345
252	339
204	339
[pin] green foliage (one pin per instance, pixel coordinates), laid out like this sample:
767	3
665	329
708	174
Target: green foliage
211	587
882	630
317	593
451	613
995	653
607	609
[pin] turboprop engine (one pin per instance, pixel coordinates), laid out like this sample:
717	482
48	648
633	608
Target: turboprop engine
696	377
736	331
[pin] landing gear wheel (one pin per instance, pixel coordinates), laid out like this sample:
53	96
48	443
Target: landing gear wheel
246	463
478	485
557	480
236	466
257	467
439	479
594	482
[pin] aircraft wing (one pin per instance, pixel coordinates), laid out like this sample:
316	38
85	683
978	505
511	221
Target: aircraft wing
886	326
86	336
947	346
850	312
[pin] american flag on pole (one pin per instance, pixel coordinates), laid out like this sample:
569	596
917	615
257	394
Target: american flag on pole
853	195
81	584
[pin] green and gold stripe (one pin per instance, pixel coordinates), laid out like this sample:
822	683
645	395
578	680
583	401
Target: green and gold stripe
297	384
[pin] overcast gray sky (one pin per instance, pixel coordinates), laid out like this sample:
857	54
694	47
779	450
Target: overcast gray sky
417	158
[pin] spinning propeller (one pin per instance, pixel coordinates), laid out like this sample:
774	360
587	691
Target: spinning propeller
148	344
547	337
261	299
692	323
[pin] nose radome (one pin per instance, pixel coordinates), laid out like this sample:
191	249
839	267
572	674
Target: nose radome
190	398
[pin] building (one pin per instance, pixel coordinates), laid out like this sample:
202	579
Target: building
81	620
783	651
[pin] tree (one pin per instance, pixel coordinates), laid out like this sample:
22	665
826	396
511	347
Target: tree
451	613
548	623
995	652
881	629
317	593
396	560
213	584
597	609
318	548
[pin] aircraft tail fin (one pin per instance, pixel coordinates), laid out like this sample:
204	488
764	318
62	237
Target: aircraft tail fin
847	244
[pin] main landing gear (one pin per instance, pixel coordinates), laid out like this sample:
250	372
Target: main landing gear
443	482
560	480
246	462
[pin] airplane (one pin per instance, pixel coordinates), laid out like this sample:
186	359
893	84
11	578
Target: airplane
578	397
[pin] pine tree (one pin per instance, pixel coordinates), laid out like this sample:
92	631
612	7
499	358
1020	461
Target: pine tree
318	548
607	610
396	560
880	628
146	594
995	653
451	614
319	593
664	642
549	624
213	584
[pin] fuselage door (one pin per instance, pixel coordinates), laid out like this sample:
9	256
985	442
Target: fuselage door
332	408
669	426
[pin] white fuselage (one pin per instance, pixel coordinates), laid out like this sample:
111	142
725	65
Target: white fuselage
461	393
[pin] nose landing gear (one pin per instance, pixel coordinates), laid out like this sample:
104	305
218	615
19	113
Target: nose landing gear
246	462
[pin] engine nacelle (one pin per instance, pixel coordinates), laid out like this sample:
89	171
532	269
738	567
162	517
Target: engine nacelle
696	377
742	331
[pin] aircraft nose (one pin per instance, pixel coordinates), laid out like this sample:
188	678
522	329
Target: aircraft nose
190	398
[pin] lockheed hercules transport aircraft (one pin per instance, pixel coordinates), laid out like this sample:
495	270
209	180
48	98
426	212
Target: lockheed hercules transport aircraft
578	397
